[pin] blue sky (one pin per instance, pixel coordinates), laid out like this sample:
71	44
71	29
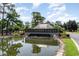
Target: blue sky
51	11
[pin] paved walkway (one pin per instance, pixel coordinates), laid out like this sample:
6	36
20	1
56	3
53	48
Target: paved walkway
75	37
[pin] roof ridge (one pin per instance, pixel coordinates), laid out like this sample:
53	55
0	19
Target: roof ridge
43	26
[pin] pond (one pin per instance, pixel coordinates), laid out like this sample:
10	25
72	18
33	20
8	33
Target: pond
20	46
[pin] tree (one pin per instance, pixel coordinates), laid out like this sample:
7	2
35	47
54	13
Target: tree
9	49
74	26
37	18
16	26
4	12
59	23
27	25
71	26
12	18
2	25
59	28
48	22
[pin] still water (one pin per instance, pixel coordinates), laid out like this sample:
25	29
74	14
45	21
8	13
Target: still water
20	46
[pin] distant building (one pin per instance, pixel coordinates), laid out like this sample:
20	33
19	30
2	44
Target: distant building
42	29
43	26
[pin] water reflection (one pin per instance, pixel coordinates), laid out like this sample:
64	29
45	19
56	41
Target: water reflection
20	46
42	41
14	49
36	49
8	48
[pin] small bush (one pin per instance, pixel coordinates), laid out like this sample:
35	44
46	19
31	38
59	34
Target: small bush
64	35
67	35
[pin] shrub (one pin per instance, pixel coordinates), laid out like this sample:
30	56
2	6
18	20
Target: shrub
64	35
67	35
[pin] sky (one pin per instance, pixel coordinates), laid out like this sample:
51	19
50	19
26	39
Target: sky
51	11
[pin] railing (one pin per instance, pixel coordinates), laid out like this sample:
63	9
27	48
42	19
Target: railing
43	30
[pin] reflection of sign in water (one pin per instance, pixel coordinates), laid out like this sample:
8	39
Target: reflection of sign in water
36	49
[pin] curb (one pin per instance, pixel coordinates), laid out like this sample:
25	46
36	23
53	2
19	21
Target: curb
75	44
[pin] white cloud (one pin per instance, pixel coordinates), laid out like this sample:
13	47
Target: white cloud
57	11
22	10
66	18
26	18
35	5
62	8
52	5
50	16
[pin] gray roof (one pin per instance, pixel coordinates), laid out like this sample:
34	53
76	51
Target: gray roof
43	26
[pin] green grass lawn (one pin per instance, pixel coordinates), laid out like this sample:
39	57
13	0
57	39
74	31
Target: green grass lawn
70	48
76	32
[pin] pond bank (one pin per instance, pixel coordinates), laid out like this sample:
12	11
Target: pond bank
61	48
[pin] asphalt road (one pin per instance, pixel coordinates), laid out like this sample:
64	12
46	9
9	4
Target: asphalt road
75	37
